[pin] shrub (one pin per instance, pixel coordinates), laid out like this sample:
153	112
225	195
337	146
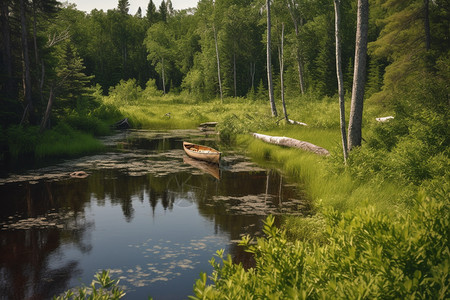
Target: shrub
101	288
366	255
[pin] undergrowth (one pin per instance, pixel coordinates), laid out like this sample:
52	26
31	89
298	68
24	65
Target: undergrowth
363	254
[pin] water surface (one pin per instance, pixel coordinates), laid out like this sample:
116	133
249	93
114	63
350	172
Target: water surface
145	211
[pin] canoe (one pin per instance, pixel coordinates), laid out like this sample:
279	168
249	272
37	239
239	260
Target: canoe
200	152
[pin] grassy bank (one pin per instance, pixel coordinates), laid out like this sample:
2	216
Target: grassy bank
380	228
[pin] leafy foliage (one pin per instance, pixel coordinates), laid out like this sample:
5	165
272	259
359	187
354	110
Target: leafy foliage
366	255
102	287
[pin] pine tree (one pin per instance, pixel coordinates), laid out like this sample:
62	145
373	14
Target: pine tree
152	16
123	6
163	11
72	82
138	13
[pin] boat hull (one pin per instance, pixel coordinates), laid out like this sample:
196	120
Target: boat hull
200	152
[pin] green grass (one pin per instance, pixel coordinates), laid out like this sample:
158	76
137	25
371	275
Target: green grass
325	179
66	142
371	235
61	141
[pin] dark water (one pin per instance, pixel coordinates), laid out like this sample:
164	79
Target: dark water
146	212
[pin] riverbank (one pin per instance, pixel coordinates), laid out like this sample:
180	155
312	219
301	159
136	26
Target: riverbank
380	226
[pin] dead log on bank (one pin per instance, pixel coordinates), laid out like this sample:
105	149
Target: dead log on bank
297	123
293	143
384	119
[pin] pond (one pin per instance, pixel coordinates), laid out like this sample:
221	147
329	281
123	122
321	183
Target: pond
145	211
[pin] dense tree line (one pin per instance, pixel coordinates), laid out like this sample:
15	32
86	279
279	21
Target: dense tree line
51	53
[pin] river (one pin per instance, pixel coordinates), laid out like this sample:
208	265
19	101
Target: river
145	211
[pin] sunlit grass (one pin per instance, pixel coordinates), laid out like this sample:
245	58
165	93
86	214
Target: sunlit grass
324	183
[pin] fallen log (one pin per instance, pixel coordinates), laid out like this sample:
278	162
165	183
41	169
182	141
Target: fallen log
290	142
297	123
207	126
384	119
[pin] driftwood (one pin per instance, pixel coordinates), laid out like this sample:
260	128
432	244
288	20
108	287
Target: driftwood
297	123
384	119
289	142
207	126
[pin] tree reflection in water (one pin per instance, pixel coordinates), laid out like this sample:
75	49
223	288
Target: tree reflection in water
26	250
33	262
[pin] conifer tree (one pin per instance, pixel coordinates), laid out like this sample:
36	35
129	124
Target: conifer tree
163	11
123	6
152	16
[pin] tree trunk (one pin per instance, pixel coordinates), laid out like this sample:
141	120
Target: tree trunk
36	55
163	75
300	72
292	8
45	119
252	74
29	109
426	4
356	109
6	51
340	78
281	58
218	64
290	142
234	74
269	65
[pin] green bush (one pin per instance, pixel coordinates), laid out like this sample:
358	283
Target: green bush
88	124
366	255
102	287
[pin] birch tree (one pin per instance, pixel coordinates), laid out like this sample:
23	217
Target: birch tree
340	78
281	59
269	64
356	109
218	63
297	21
160	46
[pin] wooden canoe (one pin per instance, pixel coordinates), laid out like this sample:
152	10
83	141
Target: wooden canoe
202	152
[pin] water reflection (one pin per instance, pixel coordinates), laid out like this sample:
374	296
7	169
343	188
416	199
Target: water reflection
152	217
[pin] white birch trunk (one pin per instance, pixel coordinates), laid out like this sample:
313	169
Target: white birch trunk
269	64
356	109
340	78
281	58
218	63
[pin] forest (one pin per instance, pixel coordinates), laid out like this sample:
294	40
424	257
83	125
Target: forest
381	225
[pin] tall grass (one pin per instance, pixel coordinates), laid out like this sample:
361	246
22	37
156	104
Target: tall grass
61	141
65	141
325	179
